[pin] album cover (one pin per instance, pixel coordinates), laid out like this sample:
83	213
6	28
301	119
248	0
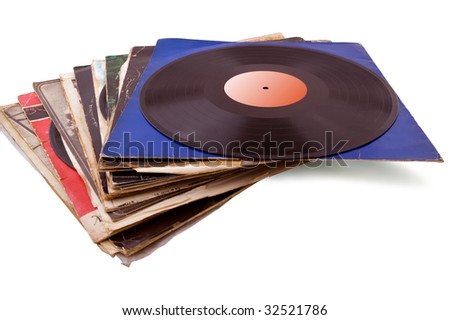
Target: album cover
51	94
79	90
98	69
73	184
113	66
138	58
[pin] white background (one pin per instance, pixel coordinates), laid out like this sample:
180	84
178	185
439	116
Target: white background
371	241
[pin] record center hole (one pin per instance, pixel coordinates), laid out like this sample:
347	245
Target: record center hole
265	88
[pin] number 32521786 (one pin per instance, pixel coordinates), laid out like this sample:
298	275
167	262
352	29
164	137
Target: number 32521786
295	310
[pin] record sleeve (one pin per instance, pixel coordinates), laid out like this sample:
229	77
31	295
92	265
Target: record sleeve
98	69
148	236
71	181
52	96
395	144
113	66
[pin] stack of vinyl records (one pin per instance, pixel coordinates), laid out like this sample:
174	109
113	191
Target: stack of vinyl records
141	146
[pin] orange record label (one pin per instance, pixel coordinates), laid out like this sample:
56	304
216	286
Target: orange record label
266	89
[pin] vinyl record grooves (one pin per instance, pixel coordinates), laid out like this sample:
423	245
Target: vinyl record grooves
268	102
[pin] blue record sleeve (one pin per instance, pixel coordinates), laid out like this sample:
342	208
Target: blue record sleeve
135	137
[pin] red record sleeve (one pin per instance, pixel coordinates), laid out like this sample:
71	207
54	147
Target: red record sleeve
72	182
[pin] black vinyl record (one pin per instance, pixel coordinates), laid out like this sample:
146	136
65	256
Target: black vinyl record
268	102
58	145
